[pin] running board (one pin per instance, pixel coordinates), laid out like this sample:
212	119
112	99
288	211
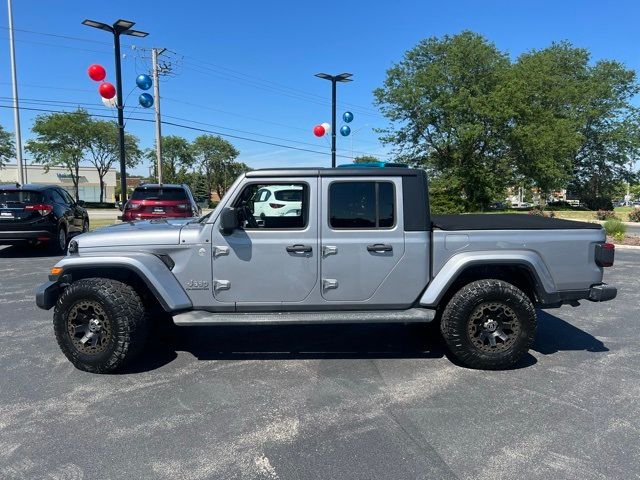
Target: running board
205	318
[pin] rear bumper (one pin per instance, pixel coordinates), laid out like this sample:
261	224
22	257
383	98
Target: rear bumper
129	217
596	293
24	236
47	295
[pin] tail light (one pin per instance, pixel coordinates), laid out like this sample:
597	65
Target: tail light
133	206
605	253
182	206
276	205
42	208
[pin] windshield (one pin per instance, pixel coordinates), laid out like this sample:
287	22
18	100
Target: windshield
20	196
171	194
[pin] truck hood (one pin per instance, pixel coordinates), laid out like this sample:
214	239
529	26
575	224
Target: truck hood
146	232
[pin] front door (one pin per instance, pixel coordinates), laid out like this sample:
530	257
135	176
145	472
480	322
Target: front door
362	236
273	258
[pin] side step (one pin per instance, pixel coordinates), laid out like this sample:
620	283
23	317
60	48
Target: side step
204	318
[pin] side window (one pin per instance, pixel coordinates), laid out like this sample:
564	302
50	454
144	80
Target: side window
361	205
67	198
274	206
57	197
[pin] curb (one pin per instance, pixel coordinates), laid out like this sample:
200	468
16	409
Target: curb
627	247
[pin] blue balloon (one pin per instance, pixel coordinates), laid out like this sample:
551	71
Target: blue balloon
347	117
345	131
144	81
145	100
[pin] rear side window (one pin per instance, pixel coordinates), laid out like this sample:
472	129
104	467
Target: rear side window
171	194
20	196
361	205
289	195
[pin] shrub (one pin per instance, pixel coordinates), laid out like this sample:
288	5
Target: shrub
539	212
598	203
634	215
615	228
605	214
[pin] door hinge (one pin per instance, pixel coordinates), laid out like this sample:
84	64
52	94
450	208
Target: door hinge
221	285
329	250
218	251
329	283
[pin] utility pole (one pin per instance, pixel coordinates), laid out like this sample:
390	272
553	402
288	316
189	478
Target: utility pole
343	77
16	105
156	93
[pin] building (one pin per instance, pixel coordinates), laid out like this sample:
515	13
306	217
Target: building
88	181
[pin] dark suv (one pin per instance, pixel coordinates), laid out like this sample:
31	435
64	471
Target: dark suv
149	201
40	214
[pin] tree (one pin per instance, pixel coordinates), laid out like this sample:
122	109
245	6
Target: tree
214	159
177	157
103	149
61	139
365	159
7	148
443	100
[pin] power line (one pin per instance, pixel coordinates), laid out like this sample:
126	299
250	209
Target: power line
188	127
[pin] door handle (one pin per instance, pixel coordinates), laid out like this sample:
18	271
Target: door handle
299	248
379	247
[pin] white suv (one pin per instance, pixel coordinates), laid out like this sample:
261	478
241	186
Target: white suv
277	201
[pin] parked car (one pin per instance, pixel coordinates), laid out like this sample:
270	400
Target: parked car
363	248
40	214
149	201
277	201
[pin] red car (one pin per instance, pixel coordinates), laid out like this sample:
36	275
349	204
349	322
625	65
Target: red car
149	201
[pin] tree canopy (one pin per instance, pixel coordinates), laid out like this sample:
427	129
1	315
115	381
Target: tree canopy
479	122
7	148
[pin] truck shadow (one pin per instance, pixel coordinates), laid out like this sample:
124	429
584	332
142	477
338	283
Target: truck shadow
356	341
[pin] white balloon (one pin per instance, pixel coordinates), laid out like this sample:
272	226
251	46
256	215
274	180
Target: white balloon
109	102
327	128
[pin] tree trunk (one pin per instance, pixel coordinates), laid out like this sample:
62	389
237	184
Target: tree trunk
101	189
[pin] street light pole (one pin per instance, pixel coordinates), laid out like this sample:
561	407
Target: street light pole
121	27
334	79
16	105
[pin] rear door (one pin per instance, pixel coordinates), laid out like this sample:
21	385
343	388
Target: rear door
77	212
362	235
273	258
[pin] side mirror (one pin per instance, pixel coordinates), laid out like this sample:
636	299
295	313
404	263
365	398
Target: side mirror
120	206
228	221
81	203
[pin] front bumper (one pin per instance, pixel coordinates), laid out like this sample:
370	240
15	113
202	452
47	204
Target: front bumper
47	294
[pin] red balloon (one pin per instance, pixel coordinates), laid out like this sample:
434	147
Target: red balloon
319	131
107	90
97	72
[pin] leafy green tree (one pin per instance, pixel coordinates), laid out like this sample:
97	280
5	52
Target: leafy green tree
7	148
103	149
442	98
177	157
365	159
61	140
215	160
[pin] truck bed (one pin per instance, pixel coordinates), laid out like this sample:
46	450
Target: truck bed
506	222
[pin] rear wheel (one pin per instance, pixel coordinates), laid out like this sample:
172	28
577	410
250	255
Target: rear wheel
100	324
489	324
59	243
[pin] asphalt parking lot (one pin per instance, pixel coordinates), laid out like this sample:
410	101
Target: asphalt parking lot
312	402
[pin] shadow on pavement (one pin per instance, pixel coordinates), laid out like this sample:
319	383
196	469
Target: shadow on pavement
357	341
27	251
554	335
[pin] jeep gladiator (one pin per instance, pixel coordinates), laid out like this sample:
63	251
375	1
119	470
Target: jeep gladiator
352	245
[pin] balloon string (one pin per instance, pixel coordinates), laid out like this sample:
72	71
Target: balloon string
127	98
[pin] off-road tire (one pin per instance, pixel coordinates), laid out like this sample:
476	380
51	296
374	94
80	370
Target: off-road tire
123	310
457	329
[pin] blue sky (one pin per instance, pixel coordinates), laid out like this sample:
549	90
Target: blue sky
249	66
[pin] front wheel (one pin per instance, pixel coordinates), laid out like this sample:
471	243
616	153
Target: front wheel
489	324
100	324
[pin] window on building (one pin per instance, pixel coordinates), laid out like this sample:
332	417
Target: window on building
361	205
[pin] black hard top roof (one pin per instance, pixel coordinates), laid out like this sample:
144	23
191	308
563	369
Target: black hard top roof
334	172
28	186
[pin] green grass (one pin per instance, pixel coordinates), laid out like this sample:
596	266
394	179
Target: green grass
102	222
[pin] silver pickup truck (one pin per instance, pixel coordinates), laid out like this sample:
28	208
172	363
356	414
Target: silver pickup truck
324	246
